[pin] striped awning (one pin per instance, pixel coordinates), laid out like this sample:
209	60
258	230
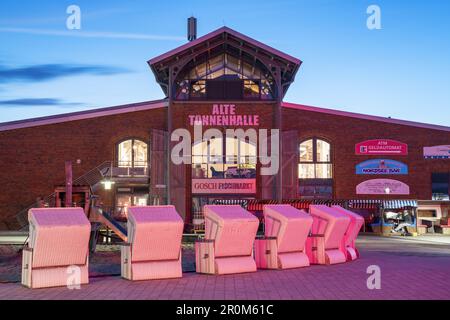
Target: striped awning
241	202
365	204
399	204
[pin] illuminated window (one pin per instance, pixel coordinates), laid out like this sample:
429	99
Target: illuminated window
315	160
224	76
315	169
229	159
132	154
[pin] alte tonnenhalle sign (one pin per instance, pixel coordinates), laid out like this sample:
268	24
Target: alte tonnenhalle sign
224	115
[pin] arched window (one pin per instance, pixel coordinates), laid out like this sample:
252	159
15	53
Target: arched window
315	160
315	169
218	158
225	77
132	153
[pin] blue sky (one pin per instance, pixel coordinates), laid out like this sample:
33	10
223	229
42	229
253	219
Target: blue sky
402	70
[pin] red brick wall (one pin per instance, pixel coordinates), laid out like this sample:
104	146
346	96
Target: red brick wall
32	159
344	132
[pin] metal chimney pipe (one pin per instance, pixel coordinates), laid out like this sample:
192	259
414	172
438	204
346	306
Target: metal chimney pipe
192	29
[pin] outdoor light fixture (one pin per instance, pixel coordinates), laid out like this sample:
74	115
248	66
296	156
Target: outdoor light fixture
387	190
108	184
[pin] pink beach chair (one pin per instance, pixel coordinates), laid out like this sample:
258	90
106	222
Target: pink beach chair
286	231
327	233
356	222
58	248
154	248
230	232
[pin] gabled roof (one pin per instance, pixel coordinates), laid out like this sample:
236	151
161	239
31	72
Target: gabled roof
80	115
224	39
216	33
365	116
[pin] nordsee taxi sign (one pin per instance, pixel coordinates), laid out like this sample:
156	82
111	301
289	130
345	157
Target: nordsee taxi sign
381	166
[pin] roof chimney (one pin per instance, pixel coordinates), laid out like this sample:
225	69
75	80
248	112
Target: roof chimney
192	29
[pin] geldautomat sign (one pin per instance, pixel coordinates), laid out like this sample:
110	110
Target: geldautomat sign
381	166
381	147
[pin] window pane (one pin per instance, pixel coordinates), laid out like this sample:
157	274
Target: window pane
323	171
200	148
198	89
199	171
140	153
215	147
216	171
251	89
125	153
306	171
323	151
267	90
247	148
306	151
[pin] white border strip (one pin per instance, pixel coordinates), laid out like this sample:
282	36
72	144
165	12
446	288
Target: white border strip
81	115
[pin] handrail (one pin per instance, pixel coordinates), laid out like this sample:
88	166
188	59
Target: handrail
22	215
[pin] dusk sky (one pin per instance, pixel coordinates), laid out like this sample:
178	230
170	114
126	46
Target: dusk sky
401	71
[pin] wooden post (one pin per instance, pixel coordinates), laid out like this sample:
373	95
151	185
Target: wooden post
68	167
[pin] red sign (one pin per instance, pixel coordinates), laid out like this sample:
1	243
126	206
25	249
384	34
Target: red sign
381	147
223	186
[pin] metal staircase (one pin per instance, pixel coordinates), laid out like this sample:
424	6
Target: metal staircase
91	178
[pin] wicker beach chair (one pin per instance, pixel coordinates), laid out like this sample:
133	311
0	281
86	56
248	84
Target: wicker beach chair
286	232
327	233
154	248
58	248
227	248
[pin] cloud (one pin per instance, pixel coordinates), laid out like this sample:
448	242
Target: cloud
34	102
93	34
45	72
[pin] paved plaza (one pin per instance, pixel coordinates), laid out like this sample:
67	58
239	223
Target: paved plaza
410	269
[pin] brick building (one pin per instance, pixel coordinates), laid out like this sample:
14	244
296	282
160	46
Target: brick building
225	80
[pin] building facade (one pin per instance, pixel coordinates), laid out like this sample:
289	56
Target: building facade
223	80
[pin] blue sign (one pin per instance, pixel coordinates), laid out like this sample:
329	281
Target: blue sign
381	166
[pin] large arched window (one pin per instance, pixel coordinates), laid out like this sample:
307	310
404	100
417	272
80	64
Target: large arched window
225	77
132	153
315	169
218	158
315	159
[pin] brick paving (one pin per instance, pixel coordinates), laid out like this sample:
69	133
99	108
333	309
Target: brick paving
409	270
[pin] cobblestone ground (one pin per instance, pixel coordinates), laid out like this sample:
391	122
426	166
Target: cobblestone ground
409	270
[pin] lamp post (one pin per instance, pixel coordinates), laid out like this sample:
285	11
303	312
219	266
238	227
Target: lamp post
68	169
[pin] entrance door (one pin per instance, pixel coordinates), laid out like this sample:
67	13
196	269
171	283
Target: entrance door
128	197
198	202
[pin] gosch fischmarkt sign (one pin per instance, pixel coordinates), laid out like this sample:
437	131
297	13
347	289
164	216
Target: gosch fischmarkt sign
223	186
381	147
437	152
381	166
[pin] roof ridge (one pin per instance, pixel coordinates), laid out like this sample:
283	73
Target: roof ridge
216	32
365	116
84	114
